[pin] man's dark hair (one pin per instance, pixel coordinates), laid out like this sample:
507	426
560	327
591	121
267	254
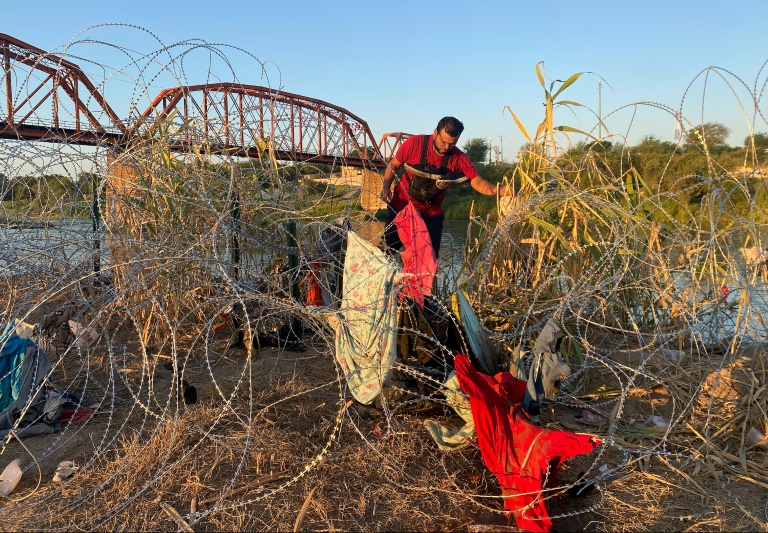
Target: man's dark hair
450	125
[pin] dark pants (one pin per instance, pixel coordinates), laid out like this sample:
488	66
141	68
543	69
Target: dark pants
434	227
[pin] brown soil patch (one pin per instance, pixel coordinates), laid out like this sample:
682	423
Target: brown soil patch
271	430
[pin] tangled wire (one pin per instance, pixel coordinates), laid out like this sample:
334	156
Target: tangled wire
171	294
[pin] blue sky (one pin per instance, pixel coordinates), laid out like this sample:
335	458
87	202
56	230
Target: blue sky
400	66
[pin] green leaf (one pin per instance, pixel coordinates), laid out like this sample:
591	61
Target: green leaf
553	230
567	83
171	206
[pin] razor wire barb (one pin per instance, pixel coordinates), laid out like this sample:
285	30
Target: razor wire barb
151	247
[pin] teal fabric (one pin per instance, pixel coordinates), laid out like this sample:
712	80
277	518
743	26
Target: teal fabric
483	348
12	351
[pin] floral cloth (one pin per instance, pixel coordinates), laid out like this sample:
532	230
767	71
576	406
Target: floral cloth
366	333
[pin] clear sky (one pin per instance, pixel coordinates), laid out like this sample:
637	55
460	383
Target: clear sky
401	65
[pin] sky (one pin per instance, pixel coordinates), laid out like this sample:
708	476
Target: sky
402	65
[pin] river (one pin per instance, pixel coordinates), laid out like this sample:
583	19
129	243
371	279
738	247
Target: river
62	245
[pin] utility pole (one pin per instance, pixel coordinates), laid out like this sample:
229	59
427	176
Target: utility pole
599	110
501	147
490	149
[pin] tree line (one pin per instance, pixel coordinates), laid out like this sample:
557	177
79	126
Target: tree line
685	170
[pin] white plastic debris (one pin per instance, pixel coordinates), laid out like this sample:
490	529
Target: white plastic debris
23	329
672	355
10	477
756	437
66	469
84	336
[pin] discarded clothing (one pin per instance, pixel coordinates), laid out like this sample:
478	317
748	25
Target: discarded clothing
72	411
33	411
449	438
65	470
418	257
12	351
78	414
415	337
314	290
55	332
523	457
547	369
484	350
366	331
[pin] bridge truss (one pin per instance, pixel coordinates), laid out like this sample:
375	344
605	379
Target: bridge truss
46	97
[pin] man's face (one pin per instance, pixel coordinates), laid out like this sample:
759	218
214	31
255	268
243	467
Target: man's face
442	142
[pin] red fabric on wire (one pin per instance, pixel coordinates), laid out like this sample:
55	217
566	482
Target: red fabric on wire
418	256
515	450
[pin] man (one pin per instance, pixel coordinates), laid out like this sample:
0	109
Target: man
439	151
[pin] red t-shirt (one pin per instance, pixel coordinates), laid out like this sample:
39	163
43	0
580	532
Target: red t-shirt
410	152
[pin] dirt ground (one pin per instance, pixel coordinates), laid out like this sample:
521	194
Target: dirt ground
274	444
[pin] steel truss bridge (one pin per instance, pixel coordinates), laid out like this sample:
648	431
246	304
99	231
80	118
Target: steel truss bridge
48	98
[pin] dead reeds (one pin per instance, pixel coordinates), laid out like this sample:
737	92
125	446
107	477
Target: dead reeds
202	276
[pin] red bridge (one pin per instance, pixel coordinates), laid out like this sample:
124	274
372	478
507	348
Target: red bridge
49	98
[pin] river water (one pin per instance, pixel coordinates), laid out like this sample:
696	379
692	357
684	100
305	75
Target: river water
56	246
33	247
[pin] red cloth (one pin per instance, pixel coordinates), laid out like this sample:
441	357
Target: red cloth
410	152
77	415
314	292
515	450
418	256
507	386
220	324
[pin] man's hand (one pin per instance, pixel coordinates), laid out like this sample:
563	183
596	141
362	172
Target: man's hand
389	179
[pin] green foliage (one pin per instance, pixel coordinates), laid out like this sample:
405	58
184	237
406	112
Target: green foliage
87	182
758	140
458	207
710	134
370	153
290	173
460	202
477	150
496	173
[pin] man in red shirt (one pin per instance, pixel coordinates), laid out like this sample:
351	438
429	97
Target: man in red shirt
438	150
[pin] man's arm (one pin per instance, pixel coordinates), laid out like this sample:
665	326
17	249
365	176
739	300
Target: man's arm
489	189
389	178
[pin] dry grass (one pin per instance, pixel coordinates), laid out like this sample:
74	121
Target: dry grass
273	443
369	470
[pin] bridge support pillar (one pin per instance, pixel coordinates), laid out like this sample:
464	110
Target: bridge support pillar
122	183
370	182
370	195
